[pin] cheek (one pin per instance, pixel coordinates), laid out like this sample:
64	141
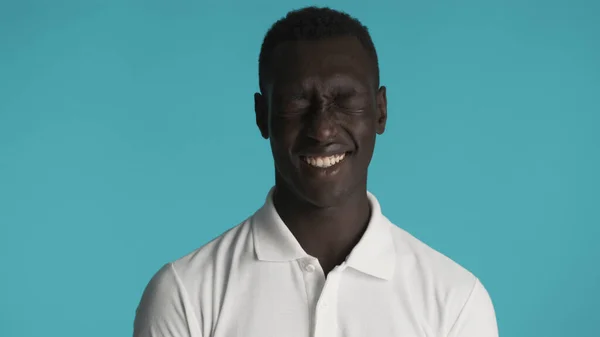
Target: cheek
282	142
279	127
363	132
285	132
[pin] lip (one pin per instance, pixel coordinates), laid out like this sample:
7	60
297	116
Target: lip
323	154
325	150
324	172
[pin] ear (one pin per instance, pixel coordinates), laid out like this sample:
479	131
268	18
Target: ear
381	110
262	114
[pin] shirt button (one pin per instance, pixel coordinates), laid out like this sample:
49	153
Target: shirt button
309	268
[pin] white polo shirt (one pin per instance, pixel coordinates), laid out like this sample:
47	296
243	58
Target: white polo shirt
255	280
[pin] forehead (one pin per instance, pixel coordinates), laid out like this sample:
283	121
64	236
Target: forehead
320	61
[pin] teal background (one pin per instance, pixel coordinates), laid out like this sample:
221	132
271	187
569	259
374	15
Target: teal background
127	139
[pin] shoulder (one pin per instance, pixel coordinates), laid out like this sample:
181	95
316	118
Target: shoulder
426	260
164	307
173	300
441	287
214	256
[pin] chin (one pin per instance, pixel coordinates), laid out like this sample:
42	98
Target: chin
324	197
321	193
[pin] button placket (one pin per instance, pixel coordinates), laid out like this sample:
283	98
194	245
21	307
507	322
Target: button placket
326	311
313	280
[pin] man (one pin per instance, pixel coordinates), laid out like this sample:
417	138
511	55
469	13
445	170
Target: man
319	258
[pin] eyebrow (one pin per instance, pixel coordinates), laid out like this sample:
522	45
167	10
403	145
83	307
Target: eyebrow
347	84
294	92
337	82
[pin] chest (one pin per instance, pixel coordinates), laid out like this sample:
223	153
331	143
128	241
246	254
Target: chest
302	302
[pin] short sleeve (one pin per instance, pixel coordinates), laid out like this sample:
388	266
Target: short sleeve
164	310
477	318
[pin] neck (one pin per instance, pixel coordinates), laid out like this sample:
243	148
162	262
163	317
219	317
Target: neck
327	233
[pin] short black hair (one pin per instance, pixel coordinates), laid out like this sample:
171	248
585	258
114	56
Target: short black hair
312	23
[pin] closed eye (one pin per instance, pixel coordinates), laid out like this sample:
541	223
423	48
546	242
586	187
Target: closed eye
351	102
295	106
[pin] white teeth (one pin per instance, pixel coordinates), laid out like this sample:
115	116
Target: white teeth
324	162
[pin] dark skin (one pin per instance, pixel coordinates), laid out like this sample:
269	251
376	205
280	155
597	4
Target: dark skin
322	98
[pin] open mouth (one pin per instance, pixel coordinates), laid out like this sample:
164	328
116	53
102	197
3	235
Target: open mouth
324	162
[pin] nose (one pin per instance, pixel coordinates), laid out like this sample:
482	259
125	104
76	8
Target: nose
322	126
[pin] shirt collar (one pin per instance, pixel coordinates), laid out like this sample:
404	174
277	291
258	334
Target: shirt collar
374	254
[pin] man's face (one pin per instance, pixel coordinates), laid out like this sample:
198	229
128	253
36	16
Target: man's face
322	111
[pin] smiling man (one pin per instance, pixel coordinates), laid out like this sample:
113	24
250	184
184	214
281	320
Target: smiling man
319	258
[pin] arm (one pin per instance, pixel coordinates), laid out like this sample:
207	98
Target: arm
164	310
477	318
